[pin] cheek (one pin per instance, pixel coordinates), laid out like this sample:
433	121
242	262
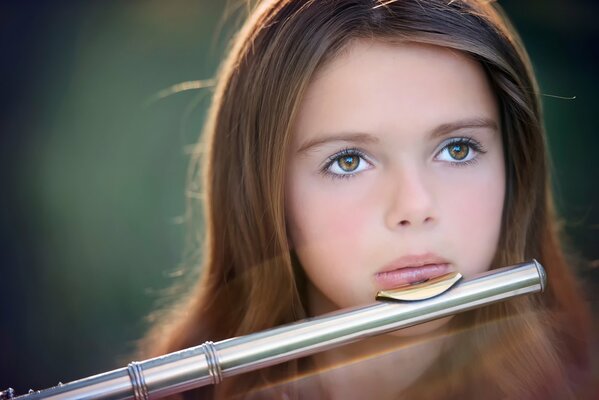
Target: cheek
328	231
472	215
475	209
325	216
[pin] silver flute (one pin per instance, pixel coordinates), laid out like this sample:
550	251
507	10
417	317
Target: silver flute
209	363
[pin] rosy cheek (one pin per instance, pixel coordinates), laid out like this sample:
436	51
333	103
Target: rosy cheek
330	217
472	214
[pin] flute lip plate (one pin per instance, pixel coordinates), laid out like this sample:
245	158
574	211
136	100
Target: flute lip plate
423	290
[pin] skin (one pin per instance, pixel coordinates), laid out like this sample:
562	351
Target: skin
422	172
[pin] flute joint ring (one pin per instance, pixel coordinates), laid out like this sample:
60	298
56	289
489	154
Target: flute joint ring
212	362
138	382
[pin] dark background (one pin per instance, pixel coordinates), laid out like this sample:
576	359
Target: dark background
93	163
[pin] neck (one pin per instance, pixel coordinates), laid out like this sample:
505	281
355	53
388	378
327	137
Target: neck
379	367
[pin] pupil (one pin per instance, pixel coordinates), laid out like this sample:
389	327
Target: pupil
348	163
458	151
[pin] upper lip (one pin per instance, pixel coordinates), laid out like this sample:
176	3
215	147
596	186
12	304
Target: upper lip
419	260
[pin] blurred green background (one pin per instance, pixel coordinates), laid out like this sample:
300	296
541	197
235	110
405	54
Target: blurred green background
93	162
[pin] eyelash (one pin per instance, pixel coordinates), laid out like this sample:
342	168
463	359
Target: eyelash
471	143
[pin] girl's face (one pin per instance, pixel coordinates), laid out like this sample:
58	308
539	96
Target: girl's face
395	172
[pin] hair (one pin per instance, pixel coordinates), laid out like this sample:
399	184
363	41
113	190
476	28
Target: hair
529	347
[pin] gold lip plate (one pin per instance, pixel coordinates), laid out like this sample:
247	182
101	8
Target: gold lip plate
421	291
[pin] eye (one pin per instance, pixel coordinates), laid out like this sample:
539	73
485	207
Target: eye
346	163
460	151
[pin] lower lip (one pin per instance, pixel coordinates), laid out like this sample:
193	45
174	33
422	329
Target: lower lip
409	275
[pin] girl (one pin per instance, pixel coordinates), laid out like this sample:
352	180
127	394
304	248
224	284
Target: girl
353	146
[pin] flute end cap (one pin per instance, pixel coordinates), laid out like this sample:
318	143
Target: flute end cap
542	274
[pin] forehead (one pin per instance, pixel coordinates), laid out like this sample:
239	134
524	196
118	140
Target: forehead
395	87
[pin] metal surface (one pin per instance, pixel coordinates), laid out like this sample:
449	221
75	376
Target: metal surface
209	363
420	291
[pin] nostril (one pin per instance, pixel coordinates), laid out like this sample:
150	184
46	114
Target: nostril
428	219
404	223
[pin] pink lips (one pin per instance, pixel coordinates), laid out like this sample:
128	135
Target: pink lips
411	269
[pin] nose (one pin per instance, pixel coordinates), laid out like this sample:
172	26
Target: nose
411	201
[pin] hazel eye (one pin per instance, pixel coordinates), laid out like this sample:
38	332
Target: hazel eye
348	163
460	151
345	164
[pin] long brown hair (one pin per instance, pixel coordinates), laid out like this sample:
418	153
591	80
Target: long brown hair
250	280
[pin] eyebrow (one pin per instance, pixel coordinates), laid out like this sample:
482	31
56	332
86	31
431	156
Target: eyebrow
361	137
357	137
471	123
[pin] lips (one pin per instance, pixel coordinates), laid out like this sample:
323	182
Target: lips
411	269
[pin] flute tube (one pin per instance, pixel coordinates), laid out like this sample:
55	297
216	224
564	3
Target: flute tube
209	363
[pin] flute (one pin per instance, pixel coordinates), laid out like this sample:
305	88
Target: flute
210	362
